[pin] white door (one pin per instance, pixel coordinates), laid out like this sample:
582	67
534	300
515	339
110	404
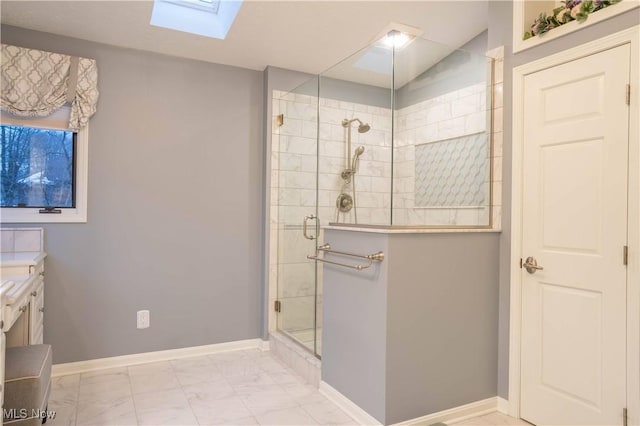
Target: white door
575	226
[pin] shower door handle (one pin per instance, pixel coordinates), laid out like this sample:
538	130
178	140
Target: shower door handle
304	227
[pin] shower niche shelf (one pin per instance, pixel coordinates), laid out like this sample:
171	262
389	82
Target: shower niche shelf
525	12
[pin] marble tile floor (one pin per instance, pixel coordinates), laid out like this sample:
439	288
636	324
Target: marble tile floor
248	387
493	419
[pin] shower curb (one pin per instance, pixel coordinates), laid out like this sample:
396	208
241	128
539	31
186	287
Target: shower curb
294	356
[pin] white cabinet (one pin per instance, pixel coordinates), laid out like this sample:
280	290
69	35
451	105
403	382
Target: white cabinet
36	311
21	291
23	307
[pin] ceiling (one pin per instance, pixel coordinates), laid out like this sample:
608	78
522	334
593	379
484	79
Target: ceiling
307	36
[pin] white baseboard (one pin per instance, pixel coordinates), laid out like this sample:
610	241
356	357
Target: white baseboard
264	345
503	406
456	414
348	406
147	357
452	415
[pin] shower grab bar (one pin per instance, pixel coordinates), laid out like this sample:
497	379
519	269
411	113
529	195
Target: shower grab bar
377	257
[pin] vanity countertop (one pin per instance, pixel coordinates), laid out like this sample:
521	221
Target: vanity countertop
25	258
20	284
5	287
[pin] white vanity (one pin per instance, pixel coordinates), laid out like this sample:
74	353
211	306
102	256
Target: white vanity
23	302
21	290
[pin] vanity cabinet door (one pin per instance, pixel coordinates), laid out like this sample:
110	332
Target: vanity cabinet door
36	320
37	315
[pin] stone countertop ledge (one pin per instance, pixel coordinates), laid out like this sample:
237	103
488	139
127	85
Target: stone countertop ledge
407	230
26	258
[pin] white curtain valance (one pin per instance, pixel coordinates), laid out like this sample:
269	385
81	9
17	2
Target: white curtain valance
37	83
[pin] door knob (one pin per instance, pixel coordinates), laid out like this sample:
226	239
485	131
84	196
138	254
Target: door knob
531	265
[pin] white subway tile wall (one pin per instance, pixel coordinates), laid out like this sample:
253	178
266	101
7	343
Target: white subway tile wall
21	239
430	131
373	179
7	240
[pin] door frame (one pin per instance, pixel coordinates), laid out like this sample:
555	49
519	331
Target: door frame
631	36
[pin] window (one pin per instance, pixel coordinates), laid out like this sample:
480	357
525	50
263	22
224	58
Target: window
37	167
42	170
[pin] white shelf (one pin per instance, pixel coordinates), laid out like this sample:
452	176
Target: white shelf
526	11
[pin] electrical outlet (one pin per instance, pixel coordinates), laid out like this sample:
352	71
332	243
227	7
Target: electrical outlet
143	319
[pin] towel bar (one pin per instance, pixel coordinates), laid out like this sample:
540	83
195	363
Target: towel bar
377	257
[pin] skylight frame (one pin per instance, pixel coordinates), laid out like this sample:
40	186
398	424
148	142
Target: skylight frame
210	6
190	17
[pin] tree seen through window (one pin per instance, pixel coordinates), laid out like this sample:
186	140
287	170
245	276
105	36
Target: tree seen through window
36	167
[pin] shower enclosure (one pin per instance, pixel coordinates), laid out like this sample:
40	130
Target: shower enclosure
388	138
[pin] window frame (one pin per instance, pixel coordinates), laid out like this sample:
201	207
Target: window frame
57	121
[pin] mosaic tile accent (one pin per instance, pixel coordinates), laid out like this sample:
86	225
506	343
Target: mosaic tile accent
452	172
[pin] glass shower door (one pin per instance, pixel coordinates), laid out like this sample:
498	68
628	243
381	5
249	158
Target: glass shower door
296	161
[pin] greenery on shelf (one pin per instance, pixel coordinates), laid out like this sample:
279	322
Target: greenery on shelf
570	10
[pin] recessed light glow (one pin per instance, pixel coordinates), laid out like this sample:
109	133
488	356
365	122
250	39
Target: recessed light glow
396	36
396	39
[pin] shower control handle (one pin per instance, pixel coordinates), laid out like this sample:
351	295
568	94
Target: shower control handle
304	227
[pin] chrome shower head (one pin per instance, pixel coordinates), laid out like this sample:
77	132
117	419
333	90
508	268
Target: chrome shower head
356	158
363	128
350	166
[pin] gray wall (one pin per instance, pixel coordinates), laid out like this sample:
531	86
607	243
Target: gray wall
354	333
464	67
349	91
417	331
174	207
500	33
442	322
478	44
343	90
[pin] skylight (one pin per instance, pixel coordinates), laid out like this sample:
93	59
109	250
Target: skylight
377	59
206	5
209	18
